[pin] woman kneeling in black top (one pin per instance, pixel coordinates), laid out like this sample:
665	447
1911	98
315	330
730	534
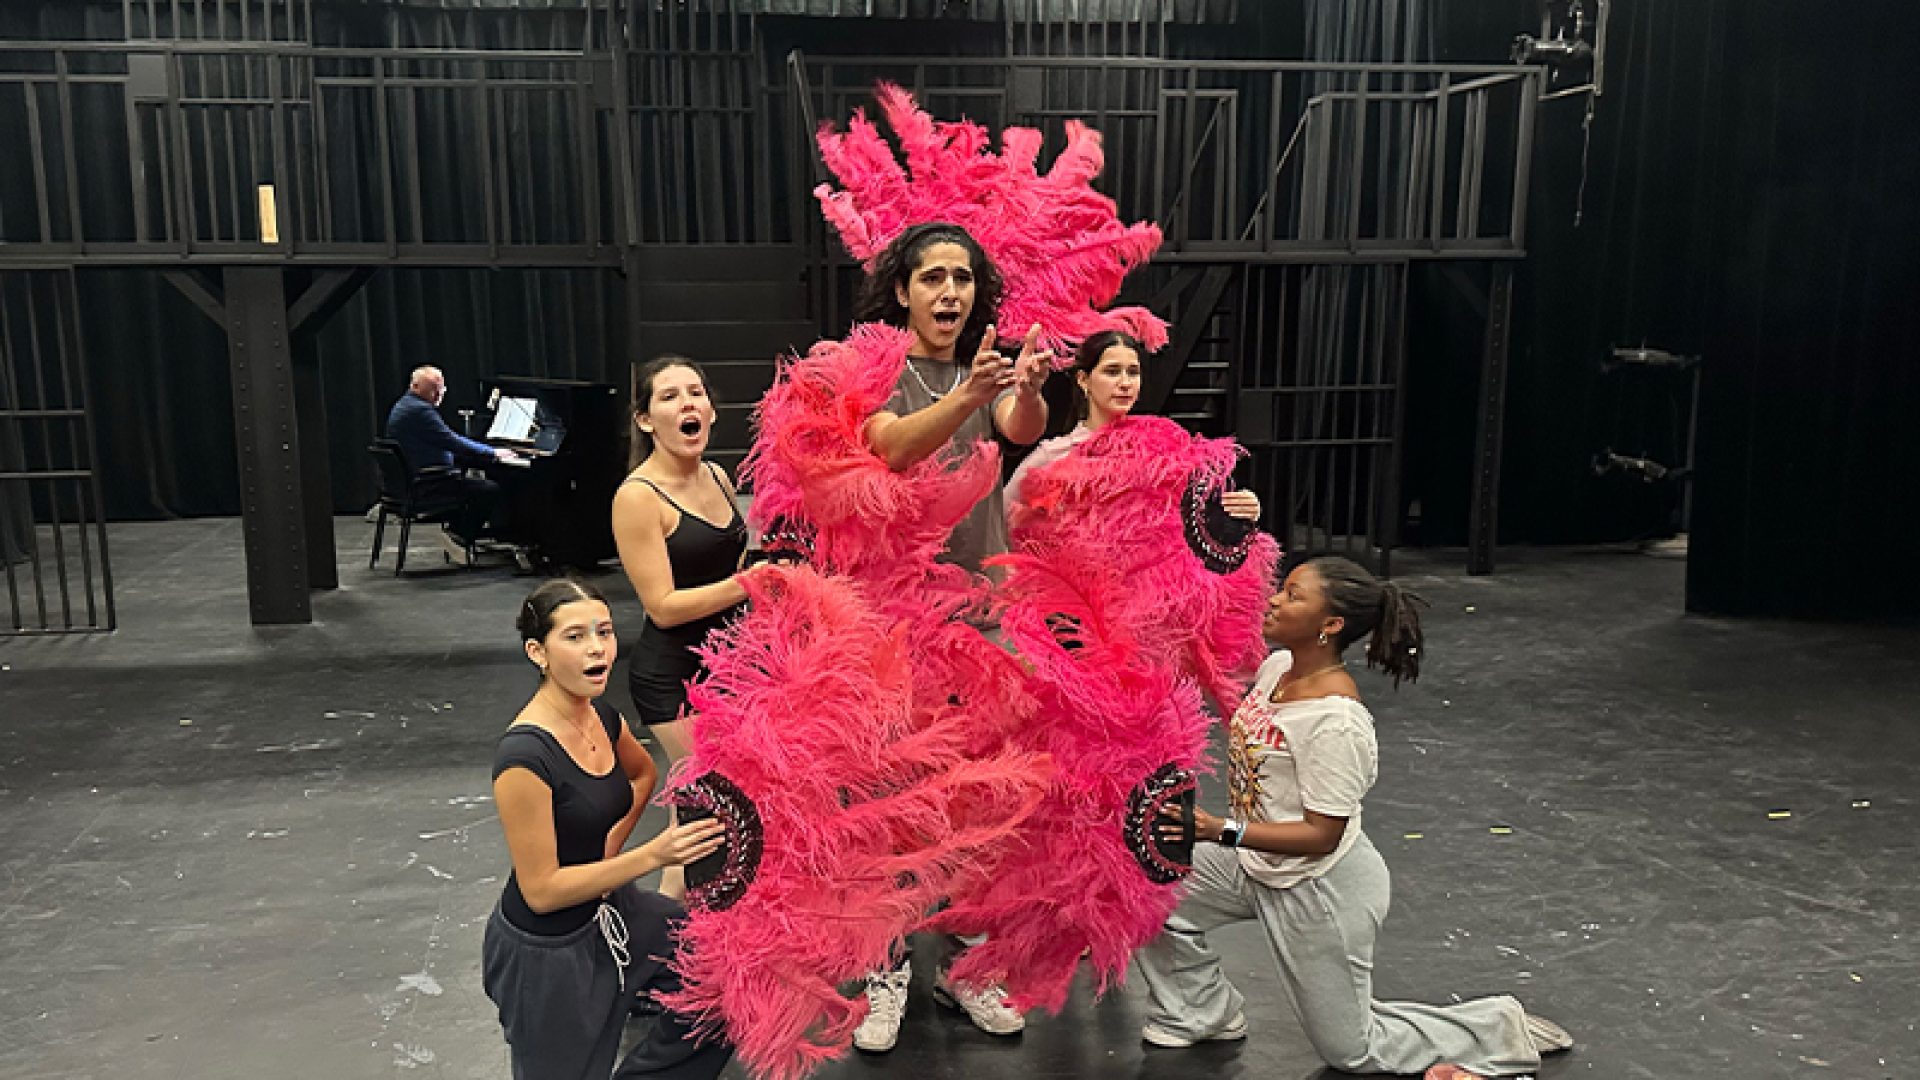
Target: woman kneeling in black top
573	939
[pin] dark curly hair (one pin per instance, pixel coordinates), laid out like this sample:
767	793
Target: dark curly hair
878	302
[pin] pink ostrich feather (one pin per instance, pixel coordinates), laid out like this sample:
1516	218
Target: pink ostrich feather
811	463
1116	499
1066	882
1060	245
875	803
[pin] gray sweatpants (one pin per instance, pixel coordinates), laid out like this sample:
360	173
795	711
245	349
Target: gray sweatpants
1322	932
564	999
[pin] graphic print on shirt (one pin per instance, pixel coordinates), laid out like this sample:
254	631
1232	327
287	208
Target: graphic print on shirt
1252	736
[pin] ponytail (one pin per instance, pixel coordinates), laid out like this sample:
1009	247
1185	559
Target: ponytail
1382	609
1395	645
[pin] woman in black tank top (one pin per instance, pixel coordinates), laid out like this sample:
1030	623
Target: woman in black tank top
572	941
681	541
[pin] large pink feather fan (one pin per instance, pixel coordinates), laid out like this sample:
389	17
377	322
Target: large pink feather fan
1059	244
865	804
1110	720
811	464
1118	499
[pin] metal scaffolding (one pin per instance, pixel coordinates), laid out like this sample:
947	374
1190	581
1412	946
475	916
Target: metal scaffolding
267	176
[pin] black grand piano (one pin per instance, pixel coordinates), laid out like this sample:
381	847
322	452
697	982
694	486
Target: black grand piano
560	498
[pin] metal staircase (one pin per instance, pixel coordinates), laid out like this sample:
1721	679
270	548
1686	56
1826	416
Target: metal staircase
734	309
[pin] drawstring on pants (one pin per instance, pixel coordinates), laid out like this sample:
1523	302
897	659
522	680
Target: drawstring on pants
613	930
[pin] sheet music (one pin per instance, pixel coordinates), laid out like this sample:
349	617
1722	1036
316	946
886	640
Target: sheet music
514	420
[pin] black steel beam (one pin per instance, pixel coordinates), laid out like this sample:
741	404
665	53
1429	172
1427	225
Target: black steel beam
197	289
428	256
327	293
316	473
1484	519
267	434
264	337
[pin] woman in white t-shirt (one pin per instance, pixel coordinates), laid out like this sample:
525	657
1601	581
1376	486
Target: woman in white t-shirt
1293	857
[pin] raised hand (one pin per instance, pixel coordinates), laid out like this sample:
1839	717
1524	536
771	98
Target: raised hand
991	372
1030	371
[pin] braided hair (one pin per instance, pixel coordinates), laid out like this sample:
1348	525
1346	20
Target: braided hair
1383	609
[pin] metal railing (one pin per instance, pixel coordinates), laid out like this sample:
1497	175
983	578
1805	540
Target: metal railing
219	151
1283	161
1293	196
1240	162
700	128
53	540
217	20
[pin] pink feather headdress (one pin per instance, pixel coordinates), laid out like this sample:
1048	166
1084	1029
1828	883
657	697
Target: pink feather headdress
1059	244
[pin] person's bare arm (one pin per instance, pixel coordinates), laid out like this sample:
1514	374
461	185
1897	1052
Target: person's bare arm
1022	415
525	804
642	543
1312	838
905	441
641	773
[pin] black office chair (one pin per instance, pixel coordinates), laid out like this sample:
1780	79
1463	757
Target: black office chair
399	496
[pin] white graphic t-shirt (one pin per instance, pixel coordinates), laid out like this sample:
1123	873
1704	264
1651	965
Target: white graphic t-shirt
1317	754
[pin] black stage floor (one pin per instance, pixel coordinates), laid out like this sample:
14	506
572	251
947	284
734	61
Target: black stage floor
247	853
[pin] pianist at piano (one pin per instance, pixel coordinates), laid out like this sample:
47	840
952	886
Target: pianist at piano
426	442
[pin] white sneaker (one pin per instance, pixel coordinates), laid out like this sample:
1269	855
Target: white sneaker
1159	1036
886	1005
1548	1037
987	1008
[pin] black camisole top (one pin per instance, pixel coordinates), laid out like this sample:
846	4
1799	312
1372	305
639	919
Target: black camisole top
701	553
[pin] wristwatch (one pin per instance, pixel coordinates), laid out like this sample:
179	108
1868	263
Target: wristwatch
1230	832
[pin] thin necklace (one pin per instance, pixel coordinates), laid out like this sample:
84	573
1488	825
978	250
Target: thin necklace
582	730
1281	691
931	392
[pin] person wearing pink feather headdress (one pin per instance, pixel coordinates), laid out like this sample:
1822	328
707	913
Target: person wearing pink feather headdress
957	389
894	778
935	282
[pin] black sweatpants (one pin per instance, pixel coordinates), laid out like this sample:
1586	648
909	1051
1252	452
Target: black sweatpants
564	1003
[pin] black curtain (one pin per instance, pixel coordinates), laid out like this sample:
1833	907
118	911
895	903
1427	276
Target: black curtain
1809	442
1616	257
1747	196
